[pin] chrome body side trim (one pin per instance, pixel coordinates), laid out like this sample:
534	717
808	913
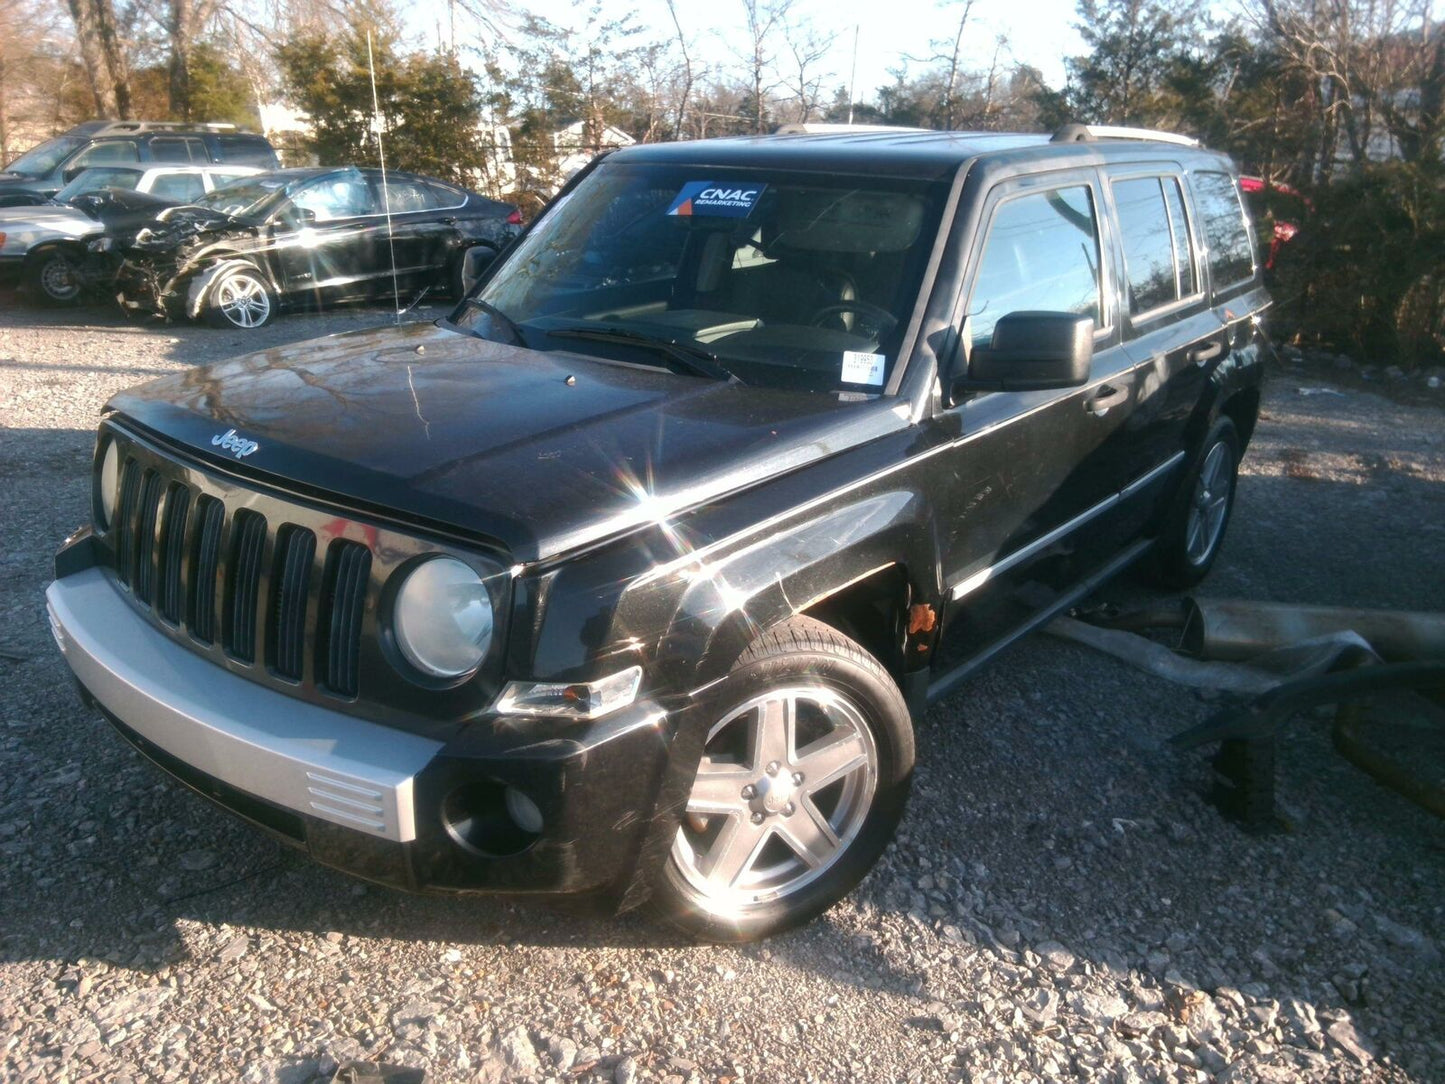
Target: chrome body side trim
972	583
316	762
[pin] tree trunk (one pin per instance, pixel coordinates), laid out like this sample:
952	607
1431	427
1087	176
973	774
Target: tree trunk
97	77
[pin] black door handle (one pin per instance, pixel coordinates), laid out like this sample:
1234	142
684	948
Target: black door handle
1200	354
1107	397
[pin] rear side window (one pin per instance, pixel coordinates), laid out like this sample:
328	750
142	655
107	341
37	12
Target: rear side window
1157	258
1221	217
446	195
247	151
176	149
1041	254
181	187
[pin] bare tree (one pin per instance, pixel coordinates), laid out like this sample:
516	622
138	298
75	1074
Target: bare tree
805	79
688	78
763	18
1370	62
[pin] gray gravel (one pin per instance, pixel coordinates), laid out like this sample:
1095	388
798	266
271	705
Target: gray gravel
1061	902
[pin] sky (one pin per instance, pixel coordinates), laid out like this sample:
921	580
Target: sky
1040	32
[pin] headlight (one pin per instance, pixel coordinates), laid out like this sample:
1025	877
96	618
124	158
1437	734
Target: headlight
109	477
578	700
442	618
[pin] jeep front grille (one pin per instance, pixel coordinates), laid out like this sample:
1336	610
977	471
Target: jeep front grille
284	591
216	574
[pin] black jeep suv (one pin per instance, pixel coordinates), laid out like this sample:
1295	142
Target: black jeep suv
45	169
629	579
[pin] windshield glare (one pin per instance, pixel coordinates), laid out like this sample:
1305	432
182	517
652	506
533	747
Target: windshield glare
793	280
92	180
41	161
250	197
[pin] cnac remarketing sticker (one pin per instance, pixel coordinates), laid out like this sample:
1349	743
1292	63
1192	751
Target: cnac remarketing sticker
722	199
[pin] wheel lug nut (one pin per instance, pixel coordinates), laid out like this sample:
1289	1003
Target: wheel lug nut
750	791
773	768
757	818
789	809
797	779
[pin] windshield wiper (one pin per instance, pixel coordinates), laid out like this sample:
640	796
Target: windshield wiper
694	359
508	324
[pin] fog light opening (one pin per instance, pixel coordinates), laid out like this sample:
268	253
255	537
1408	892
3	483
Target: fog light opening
491	819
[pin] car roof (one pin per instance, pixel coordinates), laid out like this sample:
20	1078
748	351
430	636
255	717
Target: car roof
923	154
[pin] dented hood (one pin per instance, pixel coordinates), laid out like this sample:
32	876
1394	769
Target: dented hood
492	440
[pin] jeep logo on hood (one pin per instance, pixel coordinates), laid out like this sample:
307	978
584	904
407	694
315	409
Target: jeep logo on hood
230	442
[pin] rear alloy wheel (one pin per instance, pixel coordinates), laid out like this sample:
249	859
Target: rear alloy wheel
53	279
1190	541
802	781
239	298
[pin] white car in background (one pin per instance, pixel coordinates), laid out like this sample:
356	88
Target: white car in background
47	246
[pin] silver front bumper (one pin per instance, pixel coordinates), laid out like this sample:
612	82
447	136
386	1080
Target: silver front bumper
303	757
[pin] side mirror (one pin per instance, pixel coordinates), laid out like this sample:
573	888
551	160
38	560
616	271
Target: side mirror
72	173
1031	351
297	217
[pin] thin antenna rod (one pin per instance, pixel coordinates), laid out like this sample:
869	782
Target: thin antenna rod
853	79
377	126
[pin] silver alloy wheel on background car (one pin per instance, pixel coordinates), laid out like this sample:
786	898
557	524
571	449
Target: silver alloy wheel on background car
1209	503
57	279
775	813
242	299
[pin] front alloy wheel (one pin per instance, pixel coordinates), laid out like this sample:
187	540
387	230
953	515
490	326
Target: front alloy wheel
763	824
53	279
802	781
241	299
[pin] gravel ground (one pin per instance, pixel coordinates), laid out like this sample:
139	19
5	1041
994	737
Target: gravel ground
1061	902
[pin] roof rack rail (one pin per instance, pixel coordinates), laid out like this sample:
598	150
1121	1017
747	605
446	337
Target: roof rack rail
825	128
1088	133
132	127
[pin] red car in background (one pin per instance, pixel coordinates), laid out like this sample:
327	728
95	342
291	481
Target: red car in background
1278	205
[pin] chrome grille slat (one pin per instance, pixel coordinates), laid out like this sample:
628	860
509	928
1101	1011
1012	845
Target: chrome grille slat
124	521
243	588
143	575
172	553
205	562
295	552
343	603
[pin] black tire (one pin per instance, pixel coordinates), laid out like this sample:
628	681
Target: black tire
240	298
1181	557
859	713
52	278
465	269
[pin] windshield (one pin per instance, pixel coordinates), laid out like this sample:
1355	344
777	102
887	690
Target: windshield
789	280
41	161
250	197
92	180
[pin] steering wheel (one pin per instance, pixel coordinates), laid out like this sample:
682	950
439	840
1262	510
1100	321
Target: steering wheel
884	320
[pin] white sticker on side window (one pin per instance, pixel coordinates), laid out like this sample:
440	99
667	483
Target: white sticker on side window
860	368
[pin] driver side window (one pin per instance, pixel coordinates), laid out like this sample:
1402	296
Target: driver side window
335	197
1041	255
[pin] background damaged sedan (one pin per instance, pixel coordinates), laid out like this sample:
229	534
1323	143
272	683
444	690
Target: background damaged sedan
62	248
308	238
